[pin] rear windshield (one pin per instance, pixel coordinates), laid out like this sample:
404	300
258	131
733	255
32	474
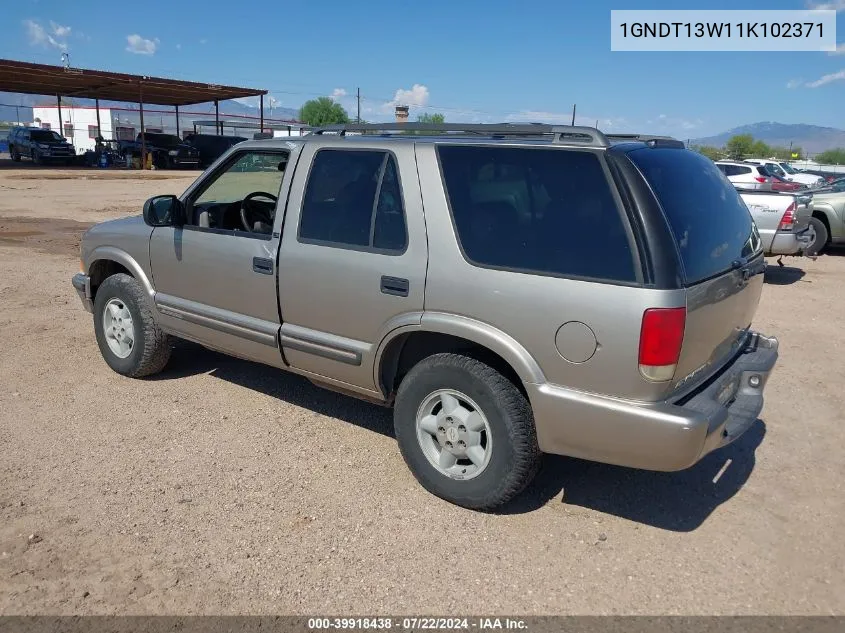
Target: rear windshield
711	223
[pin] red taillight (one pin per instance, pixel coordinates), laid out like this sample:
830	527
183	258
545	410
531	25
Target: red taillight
788	218
761	179
660	342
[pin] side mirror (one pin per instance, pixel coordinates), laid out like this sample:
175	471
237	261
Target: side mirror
163	211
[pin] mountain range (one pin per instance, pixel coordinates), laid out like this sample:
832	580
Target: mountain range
810	138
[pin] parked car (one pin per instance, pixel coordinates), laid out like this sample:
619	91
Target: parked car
783	220
39	145
781	184
745	175
786	172
211	146
168	150
829	216
836	185
582	294
826	176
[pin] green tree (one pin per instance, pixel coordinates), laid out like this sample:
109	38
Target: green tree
322	111
832	157
435	118
759	149
713	153
740	146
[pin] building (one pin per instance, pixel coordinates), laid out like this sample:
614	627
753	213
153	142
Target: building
80	124
124	123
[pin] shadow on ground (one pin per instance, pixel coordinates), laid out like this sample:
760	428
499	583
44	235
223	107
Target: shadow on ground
782	275
189	359
679	501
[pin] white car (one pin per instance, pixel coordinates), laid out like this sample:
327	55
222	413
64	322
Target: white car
745	175
786	172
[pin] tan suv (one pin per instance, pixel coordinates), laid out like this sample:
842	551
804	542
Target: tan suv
510	290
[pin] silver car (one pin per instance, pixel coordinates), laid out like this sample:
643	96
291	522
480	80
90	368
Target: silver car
509	290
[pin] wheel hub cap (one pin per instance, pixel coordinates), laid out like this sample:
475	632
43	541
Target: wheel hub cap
118	328
454	434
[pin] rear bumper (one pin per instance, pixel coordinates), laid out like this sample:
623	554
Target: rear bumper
796	243
82	283
663	436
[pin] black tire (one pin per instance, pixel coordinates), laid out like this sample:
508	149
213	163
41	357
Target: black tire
515	456
822	236
151	348
15	155
36	157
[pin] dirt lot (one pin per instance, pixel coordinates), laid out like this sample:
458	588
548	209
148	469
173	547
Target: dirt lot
223	486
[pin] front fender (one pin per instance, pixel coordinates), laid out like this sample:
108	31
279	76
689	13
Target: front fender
124	259
834	220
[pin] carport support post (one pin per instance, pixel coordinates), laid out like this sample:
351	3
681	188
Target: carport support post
261	110
177	120
97	105
61	126
143	132
217	117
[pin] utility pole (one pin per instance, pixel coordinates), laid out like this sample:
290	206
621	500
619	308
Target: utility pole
573	114
358	118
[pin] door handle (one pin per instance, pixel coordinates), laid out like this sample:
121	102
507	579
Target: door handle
262	265
395	286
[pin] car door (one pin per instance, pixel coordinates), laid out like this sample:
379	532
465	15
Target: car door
353	258
215	280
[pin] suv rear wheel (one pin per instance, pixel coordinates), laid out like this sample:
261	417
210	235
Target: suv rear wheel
14	154
129	339
466	432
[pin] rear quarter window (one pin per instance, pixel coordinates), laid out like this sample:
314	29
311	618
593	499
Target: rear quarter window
710	222
541	211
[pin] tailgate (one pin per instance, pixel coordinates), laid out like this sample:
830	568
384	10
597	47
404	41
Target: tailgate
719	313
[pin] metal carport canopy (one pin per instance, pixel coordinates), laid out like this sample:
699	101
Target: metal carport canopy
43	79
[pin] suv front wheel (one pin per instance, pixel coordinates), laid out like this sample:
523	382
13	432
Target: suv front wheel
466	431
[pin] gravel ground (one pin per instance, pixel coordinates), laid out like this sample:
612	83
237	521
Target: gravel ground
223	486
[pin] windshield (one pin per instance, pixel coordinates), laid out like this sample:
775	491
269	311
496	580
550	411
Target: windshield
45	136
162	140
786	167
710	222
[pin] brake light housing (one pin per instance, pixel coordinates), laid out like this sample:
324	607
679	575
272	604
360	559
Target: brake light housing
661	337
761	179
788	219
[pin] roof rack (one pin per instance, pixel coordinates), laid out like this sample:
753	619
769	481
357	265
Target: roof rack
662	141
571	135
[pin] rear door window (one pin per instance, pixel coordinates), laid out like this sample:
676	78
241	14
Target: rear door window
543	211
710	222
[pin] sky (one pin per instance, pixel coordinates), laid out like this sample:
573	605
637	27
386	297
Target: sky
471	60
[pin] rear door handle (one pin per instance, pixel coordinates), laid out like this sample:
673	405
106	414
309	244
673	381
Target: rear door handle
395	286
262	265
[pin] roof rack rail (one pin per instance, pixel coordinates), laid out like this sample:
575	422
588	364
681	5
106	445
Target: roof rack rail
576	135
651	139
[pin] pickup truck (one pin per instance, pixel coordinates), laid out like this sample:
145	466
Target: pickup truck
783	220
829	214
445	276
168	150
